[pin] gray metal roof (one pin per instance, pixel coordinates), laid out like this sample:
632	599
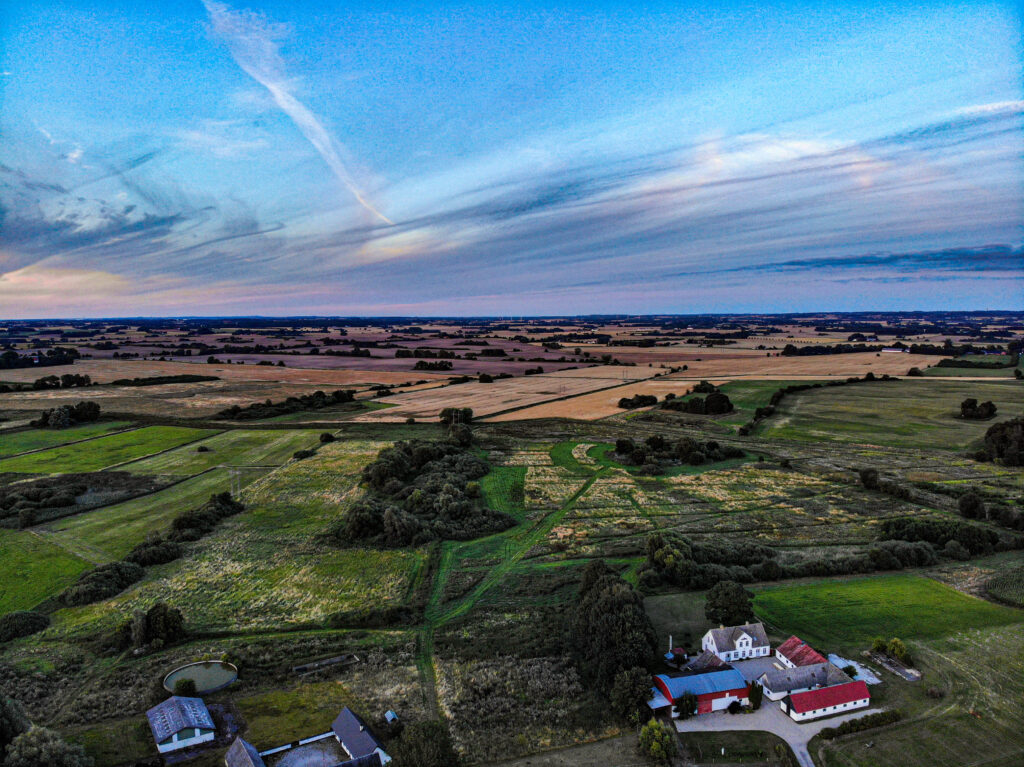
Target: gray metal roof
725	638
802	677
354	735
175	714
243	754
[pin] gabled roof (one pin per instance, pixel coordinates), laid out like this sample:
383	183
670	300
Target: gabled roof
812	700
370	760
353	734
243	754
799	652
801	677
725	638
706	661
703	684
175	714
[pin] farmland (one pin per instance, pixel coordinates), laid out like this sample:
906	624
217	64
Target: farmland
475	630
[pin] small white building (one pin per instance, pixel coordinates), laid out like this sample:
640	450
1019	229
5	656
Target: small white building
796	652
826	701
179	723
737	642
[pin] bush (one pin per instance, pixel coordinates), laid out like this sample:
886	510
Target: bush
185	688
326	437
39	747
970	408
657	742
301	455
103	582
21	623
1005	441
878	719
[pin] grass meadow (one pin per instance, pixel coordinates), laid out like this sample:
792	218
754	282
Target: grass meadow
847	614
33	569
239	447
104	452
912	413
41	439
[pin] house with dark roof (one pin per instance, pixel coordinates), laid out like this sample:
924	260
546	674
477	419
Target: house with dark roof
737	642
796	652
706	661
826	701
179	723
780	682
355	738
243	754
714	690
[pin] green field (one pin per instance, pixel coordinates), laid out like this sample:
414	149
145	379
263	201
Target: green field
849	613
40	439
1008	586
104	452
33	569
239	447
746	397
913	412
503	489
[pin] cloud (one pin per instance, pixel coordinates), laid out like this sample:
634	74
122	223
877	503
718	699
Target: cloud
252	41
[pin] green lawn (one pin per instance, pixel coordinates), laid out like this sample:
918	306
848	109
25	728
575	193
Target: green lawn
238	447
746	397
849	613
33	569
914	412
503	489
561	455
104	452
38	439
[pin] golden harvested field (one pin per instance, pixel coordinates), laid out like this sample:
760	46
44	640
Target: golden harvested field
756	365
599	404
503	394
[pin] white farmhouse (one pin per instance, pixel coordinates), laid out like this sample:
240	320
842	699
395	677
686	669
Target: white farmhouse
737	642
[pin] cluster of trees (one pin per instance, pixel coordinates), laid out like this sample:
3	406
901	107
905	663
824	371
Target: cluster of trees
1004	442
110	579
727	603
677	560
158	380
66	381
970	408
438	365
776	399
638	400
939	532
894	648
971	506
814	350
58	355
67	415
21	623
612	637
655	452
432	354
153	629
23	744
715	403
315	401
421	491
27	503
191	525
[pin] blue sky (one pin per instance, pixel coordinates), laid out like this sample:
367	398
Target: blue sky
297	157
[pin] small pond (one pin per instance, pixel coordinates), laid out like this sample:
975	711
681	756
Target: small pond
209	675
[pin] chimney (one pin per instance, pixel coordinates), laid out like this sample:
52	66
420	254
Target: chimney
670	643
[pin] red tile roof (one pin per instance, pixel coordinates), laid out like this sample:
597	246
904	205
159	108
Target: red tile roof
799	652
812	700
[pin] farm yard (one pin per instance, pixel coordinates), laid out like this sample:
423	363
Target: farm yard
474	630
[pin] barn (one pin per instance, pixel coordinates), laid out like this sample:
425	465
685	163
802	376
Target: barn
796	652
714	690
179	723
826	701
780	682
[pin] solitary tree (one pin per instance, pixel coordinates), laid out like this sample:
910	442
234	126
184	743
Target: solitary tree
656	742
898	650
756	695
971	506
728	603
878	644
686	705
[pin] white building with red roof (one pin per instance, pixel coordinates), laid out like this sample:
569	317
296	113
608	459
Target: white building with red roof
826	701
796	652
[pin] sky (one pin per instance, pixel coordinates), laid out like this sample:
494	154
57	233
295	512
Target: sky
270	157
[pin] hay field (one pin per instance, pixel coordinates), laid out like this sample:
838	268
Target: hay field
756	365
484	399
598	404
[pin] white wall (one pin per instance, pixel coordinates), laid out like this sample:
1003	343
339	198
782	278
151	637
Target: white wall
176	744
829	711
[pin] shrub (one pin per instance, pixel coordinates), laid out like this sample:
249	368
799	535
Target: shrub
970	408
100	583
1005	441
326	437
657	742
301	455
40	746
21	623
185	687
878	719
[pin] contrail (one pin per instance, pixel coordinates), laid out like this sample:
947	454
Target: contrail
252	42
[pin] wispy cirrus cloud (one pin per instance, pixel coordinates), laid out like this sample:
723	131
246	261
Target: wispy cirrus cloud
253	42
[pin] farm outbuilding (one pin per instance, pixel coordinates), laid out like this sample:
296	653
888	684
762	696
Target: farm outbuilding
780	682
179	723
827	701
363	749
243	754
796	652
714	690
